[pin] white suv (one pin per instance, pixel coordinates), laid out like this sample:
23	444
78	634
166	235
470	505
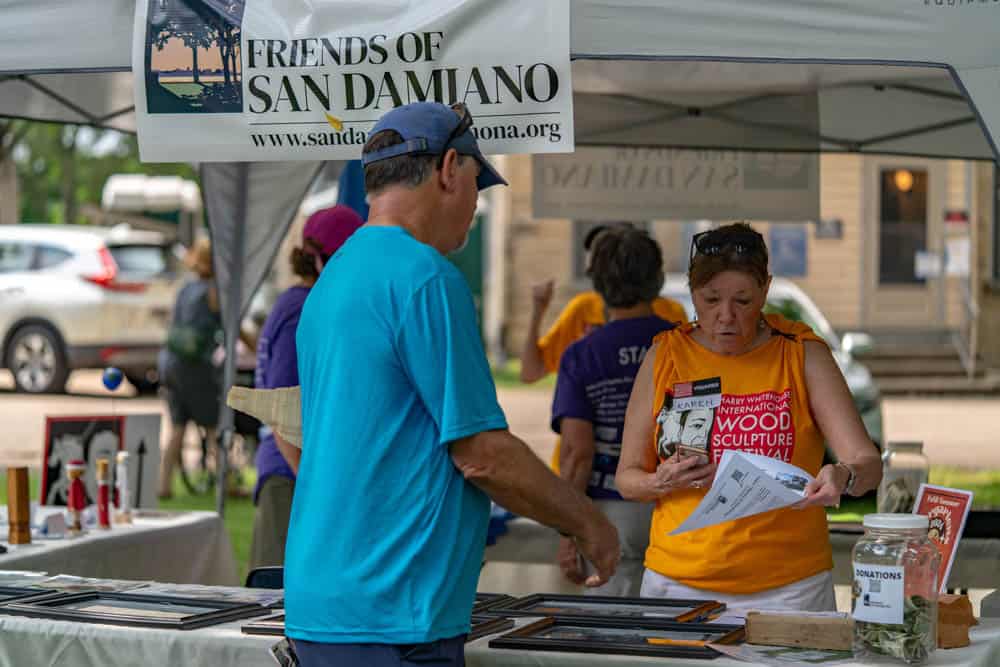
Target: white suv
83	297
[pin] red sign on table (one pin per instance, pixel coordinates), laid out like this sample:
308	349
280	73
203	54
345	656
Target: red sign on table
946	509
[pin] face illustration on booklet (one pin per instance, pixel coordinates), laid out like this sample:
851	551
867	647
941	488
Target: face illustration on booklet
686	419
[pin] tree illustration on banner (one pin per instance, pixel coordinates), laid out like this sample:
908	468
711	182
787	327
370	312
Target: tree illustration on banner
193	56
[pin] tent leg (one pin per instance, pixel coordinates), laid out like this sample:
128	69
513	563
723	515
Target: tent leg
231	327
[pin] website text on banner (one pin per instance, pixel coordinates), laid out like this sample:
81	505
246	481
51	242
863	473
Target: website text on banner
273	80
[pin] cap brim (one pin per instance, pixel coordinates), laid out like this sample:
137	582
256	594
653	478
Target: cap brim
488	176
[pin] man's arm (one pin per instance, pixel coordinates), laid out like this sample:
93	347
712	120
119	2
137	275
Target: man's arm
289	452
576	462
505	468
532	362
576	453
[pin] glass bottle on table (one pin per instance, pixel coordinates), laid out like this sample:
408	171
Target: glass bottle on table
904	469
895	592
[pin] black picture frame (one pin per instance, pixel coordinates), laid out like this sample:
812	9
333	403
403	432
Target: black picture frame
607	607
488	625
58	607
621	637
482	626
487	601
11	593
273	626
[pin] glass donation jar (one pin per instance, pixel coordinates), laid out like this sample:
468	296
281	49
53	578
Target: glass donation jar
904	469
895	592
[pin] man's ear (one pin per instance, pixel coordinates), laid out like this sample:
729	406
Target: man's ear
449	170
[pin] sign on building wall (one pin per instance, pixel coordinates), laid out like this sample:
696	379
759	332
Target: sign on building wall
658	183
281	80
788	247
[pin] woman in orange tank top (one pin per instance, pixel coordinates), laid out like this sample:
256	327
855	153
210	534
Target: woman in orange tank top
738	380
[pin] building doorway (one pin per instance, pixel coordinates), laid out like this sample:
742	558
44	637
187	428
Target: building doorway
903	247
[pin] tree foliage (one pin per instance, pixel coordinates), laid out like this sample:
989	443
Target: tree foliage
61	167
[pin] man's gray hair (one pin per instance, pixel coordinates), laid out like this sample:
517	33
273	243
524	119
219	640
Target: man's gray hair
406	170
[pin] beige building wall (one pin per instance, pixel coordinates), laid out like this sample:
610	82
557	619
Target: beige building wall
838	277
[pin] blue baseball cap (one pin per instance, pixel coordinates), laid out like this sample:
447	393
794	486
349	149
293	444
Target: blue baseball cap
427	128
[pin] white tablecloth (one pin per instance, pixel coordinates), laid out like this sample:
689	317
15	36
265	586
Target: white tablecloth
178	547
43	643
984	652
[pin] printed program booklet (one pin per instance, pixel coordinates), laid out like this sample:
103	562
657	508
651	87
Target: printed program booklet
946	510
744	485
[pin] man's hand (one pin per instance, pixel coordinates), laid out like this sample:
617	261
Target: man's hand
541	295
600	547
570	561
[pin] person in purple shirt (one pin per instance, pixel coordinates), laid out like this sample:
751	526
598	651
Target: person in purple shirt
595	380
277	366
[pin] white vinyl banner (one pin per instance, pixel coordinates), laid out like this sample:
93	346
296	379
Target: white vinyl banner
662	183
252	80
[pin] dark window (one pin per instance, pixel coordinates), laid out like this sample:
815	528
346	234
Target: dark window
142	261
48	256
902	224
15	256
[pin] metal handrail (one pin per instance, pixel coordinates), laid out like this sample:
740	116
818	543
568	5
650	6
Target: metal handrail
966	340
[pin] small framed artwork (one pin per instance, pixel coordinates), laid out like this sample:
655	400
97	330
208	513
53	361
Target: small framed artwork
8	593
658	639
488	625
131	609
605	607
486	601
272	625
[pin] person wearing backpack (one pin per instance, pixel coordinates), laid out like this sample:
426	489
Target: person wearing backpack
190	380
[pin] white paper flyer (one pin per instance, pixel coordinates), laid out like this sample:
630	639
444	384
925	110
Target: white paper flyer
744	485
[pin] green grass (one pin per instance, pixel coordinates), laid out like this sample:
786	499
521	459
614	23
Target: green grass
508	376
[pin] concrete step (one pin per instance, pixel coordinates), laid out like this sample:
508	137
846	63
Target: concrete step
910	351
939	385
920	366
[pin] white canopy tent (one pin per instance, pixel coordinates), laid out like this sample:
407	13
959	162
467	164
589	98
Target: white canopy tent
909	77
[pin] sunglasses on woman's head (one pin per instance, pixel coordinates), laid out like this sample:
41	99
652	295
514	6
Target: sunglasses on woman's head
714	242
464	123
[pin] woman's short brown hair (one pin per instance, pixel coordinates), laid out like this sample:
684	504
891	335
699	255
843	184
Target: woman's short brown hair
626	266
303	260
733	247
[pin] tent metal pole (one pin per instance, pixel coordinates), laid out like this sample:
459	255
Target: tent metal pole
231	327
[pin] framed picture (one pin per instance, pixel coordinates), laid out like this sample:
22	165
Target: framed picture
272	625
131	609
8	593
488	625
629	637
595	606
481	626
68	583
272	598
486	601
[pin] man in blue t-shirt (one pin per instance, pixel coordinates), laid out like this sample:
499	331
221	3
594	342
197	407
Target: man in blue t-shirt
403	440
596	374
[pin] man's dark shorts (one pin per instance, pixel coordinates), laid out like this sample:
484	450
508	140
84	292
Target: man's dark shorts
441	653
